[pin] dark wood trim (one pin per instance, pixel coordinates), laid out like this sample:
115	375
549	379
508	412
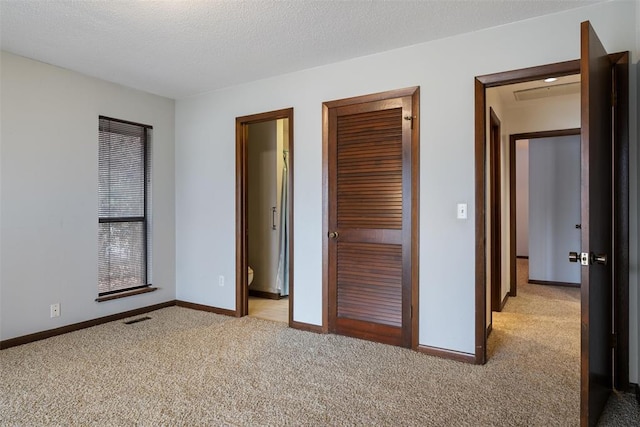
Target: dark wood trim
447	354
381	96
415	220
291	216
545	134
504	301
513	234
621	160
326	303
284	113
521	75
242	305
263	294
242	123
552	283
513	238
308	327
125	294
480	222
495	207
208	308
25	339
619	58
521	257
481	83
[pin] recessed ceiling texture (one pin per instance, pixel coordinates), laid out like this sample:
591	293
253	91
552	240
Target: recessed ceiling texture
181	48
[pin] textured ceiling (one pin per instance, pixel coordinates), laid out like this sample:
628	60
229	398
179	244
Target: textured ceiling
181	47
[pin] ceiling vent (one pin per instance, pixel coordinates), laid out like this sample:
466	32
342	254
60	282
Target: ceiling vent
547	91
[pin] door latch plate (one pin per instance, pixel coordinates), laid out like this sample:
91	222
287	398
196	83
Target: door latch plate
584	258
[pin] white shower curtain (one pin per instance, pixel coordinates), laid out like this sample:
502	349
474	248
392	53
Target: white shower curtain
282	278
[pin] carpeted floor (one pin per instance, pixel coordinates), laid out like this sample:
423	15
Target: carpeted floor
191	368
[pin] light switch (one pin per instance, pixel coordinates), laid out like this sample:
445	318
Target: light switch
462	211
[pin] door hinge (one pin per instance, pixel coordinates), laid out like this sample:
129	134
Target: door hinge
412	118
613	341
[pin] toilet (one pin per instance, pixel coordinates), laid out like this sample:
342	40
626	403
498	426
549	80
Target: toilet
250	276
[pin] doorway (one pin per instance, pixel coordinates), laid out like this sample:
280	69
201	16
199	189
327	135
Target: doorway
531	105
603	75
544	228
264	215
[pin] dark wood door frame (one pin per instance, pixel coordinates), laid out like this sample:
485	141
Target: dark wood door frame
620	202
620	164
513	229
411	196
495	208
482	83
242	126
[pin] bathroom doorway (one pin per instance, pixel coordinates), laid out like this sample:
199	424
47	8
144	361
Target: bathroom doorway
264	184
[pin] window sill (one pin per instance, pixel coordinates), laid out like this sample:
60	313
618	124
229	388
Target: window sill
126	294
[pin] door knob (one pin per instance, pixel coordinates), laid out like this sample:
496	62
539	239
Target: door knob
586	258
598	259
333	234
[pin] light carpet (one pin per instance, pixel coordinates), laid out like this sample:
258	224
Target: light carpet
191	368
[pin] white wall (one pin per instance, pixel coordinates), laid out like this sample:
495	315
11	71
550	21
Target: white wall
445	71
49	198
554	208
558	112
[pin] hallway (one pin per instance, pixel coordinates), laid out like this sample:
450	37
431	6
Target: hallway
538	335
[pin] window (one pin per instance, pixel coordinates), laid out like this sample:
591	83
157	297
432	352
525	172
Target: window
123	185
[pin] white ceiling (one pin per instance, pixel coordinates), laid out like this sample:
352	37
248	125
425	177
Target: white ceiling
177	48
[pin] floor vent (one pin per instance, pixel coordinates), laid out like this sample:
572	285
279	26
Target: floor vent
141	319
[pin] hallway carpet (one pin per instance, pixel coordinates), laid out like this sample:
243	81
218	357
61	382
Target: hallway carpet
189	368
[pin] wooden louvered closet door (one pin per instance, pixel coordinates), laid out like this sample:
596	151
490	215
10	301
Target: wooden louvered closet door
370	205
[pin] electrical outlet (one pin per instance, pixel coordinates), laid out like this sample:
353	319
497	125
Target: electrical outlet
220	280
55	309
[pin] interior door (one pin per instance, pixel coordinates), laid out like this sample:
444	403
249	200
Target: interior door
372	207
596	197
